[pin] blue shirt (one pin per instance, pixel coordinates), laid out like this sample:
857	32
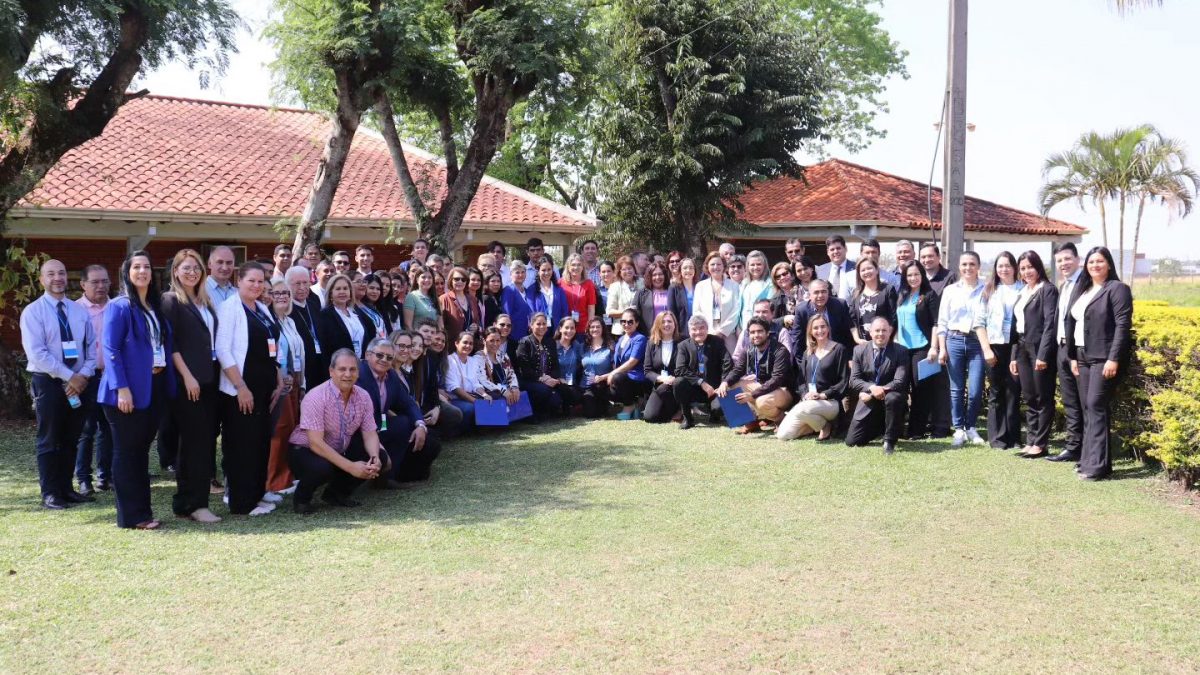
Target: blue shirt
217	293
996	314
908	331
568	362
631	348
957	311
596	362
42	338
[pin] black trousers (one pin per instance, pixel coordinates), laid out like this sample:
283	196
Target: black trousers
1004	401
408	466
313	471
58	428
1068	389
923	394
544	400
245	447
168	440
595	401
939	403
875	417
689	393
626	391
1096	394
193	421
132	435
96	435
662	404
1037	389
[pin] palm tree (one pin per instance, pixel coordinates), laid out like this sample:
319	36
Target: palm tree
1082	174
1124	6
1162	174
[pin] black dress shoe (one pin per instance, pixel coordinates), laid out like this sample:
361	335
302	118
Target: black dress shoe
304	508
1063	457
74	497
103	485
889	447
85	488
338	500
1034	456
687	423
1091	477
54	503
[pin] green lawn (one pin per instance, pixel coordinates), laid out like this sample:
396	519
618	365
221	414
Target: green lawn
1183	292
615	547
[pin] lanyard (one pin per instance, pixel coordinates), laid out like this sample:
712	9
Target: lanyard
757	360
64	325
814	363
342	410
155	330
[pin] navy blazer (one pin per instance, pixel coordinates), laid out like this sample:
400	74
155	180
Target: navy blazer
129	354
537	302
516	306
400	402
839	323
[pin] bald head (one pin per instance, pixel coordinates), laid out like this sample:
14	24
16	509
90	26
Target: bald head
220	264
53	277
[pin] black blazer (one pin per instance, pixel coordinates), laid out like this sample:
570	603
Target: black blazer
885	306
1041	324
316	366
400	402
716	361
1107	324
927	309
193	342
893	375
676	305
654	365
333	334
778	363
832	372
840	323
528	362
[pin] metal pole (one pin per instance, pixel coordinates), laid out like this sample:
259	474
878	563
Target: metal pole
954	183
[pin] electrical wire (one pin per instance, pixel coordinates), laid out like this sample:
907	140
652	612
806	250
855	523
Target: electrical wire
933	165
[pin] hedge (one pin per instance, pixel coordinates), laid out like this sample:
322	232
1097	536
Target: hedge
1158	411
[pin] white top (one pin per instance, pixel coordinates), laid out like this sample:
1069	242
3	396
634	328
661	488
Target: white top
668	348
1078	309
720	307
233	338
319	292
295	345
357	332
465	376
957	310
621	297
1064	299
995	315
1023	299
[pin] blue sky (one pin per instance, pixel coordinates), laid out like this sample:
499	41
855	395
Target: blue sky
1041	73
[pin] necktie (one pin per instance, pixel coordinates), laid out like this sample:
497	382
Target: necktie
878	364
835	277
65	330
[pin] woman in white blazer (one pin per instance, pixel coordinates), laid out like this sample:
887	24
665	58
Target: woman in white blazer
718	300
248	351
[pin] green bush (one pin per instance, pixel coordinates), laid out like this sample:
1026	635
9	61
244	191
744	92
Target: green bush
1158	411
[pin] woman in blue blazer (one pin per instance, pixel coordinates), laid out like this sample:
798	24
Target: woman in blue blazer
135	386
546	296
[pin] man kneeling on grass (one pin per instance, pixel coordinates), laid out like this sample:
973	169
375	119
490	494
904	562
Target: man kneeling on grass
336	441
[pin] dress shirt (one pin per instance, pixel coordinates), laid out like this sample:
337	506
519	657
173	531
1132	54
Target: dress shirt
1023	299
996	313
42	338
218	293
323	409
1064	301
621	296
381	383
1077	311
354	327
319	292
959	302
96	314
464	376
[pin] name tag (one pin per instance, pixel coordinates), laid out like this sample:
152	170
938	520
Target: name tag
160	357
569	378
812	388
575	316
70	349
214	355
272	348
703	368
316	345
383	421
297	362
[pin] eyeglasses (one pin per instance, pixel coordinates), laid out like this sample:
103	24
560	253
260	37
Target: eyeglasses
504	325
401	347
626	322
382	357
280	294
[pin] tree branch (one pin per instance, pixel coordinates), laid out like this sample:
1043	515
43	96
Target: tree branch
412	195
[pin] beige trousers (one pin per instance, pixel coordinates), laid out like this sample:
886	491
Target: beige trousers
813	414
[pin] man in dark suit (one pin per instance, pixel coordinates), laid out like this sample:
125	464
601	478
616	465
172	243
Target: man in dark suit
879	376
402	430
305	310
702	361
821	301
939	277
1067	262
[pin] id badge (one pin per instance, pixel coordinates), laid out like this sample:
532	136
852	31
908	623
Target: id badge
383	421
272	348
214	355
70	349
575	316
380	333
812	388
703	368
317	345
160	357
569	379
297	363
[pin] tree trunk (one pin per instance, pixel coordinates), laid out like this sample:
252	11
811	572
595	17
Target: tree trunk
15	402
1137	233
412	193
1121	239
343	127
1103	221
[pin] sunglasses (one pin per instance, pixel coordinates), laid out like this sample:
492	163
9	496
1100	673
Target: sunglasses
626	322
504	325
782	275
458	280
382	357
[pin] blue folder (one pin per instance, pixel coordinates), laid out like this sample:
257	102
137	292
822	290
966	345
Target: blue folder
926	369
491	413
521	409
736	414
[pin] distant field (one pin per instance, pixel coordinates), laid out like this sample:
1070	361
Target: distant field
1183	291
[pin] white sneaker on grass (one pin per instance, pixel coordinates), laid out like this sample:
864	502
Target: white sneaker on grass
960	438
261	510
272	498
290	489
974	437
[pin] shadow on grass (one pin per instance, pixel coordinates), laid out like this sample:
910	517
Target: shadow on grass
492	476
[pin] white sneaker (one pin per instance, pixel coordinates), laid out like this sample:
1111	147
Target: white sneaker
959	440
974	437
272	498
291	489
266	505
261	510
226	499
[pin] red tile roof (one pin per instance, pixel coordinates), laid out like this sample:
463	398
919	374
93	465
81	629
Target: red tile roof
837	190
180	156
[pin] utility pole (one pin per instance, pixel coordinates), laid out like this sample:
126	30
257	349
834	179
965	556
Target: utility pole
955	156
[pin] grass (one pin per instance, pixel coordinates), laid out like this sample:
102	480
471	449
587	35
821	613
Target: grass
612	547
1182	292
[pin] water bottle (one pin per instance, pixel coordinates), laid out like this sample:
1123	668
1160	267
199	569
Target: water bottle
73	399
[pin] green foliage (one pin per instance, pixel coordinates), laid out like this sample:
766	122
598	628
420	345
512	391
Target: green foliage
714	100
18	278
1158	412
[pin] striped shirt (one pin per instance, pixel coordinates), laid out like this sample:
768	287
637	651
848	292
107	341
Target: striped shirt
323	409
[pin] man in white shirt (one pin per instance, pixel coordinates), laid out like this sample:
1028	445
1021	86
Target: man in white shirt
220	275
324	272
1066	261
282	258
838	266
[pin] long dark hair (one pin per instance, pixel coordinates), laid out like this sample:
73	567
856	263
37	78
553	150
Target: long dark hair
859	284
1085	281
153	296
995	280
905	289
1035	261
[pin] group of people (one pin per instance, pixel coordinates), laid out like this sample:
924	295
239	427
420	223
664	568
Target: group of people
328	373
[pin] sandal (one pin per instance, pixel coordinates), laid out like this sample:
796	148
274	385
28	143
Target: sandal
826	432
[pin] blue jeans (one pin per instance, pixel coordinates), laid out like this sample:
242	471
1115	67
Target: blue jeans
468	412
966	366
96	434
